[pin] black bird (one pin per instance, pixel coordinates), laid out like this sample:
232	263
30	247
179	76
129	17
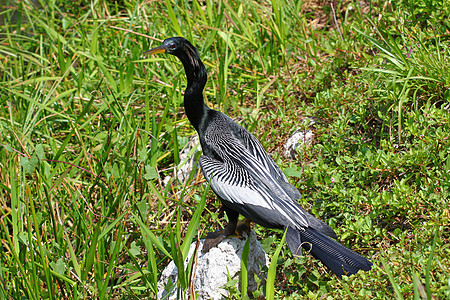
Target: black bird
247	180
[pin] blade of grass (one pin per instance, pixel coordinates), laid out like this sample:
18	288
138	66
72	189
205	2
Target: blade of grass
173	18
73	258
416	284
244	270
112	262
430	260
30	291
272	273
394	284
151	235
191	231
14	180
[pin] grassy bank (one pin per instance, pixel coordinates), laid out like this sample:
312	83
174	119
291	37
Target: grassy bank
90	128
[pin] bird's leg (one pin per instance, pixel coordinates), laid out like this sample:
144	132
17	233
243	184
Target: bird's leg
214	238
241	227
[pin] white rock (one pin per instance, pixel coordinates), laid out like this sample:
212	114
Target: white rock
212	268
187	162
298	140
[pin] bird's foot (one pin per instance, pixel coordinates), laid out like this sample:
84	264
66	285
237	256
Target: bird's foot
213	239
243	227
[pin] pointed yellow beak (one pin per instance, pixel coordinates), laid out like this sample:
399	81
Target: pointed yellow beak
160	49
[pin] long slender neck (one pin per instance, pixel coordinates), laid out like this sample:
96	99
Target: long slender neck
194	105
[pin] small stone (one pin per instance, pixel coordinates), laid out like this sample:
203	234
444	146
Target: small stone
298	140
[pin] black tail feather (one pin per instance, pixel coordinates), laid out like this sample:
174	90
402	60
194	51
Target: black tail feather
341	260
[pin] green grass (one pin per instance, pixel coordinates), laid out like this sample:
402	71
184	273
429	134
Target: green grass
89	128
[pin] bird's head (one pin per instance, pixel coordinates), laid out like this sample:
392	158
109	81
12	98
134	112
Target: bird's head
183	49
178	46
171	45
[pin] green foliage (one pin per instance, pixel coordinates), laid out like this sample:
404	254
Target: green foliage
89	129
271	274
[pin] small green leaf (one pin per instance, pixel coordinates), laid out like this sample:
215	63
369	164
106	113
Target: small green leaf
348	159
29	164
292	172
150	172
143	208
59	266
168	127
39	150
134	249
142	154
115	171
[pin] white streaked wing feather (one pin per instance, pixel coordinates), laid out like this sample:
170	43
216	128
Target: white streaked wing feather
239	194
258	151
233	184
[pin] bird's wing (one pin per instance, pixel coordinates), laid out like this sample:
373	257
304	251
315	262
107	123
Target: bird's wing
259	153
221	123
258	200
231	141
241	177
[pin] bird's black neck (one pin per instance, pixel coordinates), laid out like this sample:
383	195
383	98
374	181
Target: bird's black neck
194	105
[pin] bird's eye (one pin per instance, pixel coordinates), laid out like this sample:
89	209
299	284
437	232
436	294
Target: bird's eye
172	46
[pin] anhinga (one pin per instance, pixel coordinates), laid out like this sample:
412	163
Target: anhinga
247	180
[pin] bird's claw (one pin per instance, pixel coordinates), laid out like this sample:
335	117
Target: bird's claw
243	227
213	239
